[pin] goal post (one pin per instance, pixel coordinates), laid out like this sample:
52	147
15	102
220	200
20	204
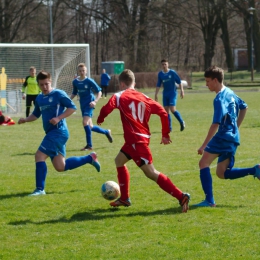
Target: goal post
60	60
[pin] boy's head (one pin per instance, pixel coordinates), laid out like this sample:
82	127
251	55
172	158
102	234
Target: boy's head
43	75
2	119
82	69
32	71
165	64
127	77
214	72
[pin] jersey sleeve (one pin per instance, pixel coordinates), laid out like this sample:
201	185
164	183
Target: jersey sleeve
107	109
25	84
36	111
66	101
241	103
75	89
176	77
157	109
94	86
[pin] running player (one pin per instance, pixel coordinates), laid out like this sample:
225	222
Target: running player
86	88
54	106
223	136
168	77
135	110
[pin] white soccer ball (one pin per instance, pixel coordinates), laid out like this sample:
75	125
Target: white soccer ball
110	190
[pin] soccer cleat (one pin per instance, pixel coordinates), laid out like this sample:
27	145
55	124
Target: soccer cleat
109	136
257	171
182	126
184	202
37	192
119	202
95	162
87	147
205	203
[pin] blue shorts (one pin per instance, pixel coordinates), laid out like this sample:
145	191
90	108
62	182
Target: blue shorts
87	111
54	143
225	150
170	99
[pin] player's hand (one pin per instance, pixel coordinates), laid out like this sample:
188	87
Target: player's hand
92	104
55	120
166	140
99	121
24	96
200	150
21	121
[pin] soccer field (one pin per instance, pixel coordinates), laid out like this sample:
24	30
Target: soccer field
73	221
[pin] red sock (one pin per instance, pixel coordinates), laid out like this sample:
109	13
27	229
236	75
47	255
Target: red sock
166	184
123	177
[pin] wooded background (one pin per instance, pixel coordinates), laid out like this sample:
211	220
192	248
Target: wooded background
191	34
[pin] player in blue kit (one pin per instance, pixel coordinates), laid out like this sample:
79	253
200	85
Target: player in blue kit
223	137
54	106
86	88
168	77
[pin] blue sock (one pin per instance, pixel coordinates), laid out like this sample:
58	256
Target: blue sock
236	173
206	182
99	130
75	162
170	121
178	116
40	174
88	135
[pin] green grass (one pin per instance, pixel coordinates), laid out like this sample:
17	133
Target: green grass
73	221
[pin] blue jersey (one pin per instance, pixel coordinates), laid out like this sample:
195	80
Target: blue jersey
50	106
86	90
226	109
168	79
105	78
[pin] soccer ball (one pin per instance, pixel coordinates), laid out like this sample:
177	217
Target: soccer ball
110	190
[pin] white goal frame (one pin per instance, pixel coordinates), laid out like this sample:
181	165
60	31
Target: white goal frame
54	58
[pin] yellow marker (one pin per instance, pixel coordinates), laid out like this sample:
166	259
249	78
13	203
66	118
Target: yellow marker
3	81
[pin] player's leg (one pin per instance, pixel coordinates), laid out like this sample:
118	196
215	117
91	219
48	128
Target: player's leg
167	109
87	124
172	105
105	90
28	102
206	179
123	177
40	173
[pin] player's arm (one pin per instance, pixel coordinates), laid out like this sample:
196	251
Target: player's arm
24	86
106	110
160	111
212	130
30	118
156	93
66	113
182	90
241	116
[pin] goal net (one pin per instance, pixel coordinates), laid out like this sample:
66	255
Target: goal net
60	60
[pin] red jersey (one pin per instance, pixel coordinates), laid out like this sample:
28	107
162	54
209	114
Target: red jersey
135	111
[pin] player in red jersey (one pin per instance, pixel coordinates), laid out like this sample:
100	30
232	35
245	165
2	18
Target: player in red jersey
135	111
6	120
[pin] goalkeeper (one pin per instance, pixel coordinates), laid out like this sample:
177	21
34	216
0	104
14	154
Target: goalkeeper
30	89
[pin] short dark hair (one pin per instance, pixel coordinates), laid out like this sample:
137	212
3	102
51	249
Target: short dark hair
214	72
127	77
43	75
164	60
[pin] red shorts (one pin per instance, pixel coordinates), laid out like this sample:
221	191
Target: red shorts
140	153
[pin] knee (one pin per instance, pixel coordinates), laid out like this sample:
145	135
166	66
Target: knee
220	174
59	169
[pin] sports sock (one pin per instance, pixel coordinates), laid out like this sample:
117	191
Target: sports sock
123	177
88	135
99	130
206	182
40	175
166	184
178	116
236	173
77	161
170	121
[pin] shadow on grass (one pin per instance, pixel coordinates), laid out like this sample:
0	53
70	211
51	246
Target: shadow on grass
101	214
26	194
22	154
